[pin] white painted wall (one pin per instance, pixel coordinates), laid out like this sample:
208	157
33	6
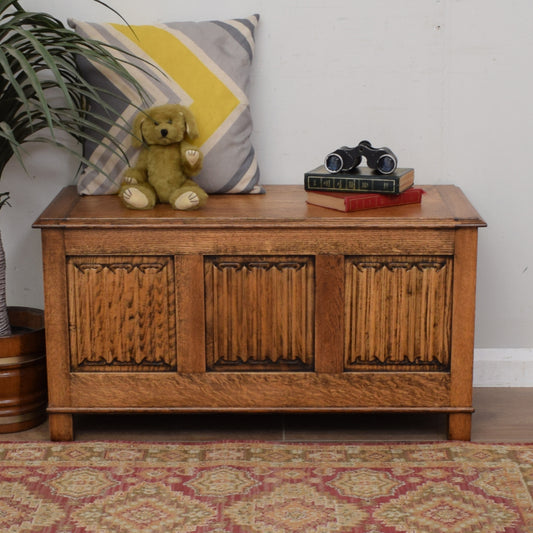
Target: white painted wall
446	84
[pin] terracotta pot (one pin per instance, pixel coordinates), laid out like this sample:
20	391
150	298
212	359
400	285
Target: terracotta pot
23	392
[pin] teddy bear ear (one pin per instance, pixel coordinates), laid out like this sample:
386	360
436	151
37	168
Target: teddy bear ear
137	139
190	124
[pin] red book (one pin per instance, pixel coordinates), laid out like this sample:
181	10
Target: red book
359	201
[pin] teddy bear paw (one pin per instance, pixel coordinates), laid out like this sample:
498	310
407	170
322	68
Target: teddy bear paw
192	157
135	198
130	180
187	200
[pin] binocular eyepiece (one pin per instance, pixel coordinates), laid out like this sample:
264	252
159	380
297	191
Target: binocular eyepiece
343	159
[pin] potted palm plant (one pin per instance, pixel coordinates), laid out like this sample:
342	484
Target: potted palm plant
38	60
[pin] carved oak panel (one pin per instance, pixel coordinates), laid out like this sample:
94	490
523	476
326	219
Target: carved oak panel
398	313
259	313
122	313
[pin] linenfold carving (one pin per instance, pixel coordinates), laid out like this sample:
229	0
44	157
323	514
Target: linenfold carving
398	313
122	313
259	312
145	268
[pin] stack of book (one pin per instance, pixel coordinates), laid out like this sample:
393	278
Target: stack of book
361	188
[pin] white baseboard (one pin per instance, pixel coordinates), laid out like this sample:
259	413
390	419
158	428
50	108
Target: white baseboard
503	367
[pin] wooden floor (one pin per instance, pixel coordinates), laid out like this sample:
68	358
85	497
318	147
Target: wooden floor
502	415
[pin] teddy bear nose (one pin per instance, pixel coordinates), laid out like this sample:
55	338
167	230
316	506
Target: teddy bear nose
164	133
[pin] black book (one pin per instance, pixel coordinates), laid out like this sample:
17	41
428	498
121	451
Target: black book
360	179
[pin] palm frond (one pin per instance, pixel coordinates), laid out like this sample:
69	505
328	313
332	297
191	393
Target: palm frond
4	198
38	66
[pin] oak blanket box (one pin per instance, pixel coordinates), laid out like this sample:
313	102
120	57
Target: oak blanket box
259	303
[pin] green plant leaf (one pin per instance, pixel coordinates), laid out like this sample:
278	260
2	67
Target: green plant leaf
41	87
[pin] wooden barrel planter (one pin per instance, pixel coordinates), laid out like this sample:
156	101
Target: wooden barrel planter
23	392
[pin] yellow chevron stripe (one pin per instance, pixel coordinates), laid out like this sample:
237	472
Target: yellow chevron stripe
212	100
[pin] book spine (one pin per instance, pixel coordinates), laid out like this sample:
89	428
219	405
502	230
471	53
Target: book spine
351	184
408	197
355	204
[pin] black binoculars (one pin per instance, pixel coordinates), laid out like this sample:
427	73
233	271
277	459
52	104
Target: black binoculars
343	159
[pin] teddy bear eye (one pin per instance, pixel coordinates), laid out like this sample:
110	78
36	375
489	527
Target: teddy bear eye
156	123
170	121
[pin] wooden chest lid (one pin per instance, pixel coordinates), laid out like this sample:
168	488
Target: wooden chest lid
283	206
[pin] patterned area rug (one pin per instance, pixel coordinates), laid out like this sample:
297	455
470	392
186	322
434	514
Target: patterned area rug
265	487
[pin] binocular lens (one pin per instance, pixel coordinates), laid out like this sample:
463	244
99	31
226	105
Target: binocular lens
386	164
344	159
333	163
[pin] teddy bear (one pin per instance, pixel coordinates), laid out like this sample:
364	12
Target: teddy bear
167	160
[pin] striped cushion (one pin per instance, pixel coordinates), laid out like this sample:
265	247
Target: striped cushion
206	67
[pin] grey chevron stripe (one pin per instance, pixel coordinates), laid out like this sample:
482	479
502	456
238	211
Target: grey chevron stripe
238	36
